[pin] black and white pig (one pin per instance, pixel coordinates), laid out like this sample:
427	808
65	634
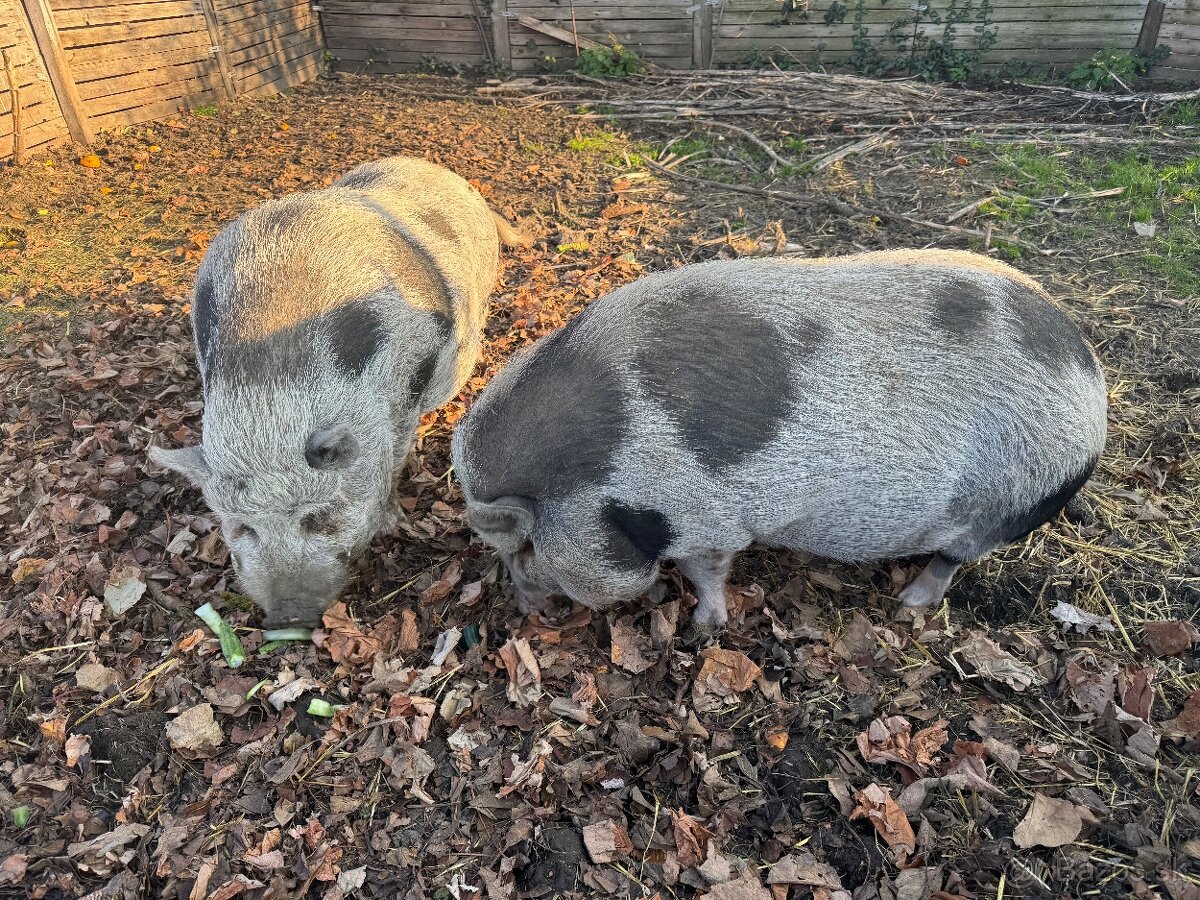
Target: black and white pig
326	323
873	406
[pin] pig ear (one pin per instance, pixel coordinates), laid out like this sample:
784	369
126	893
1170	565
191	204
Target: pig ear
188	462
331	448
505	523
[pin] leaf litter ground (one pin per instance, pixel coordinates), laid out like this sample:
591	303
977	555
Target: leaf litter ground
1038	737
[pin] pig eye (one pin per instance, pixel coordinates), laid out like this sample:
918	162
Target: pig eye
318	523
244	532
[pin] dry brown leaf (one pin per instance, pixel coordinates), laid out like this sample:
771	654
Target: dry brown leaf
801	867
858	641
1177	886
877	806
28	568
891	740
747	887
606	842
1170	637
1091	691
234	886
77	747
410	637
441	588
629	648
524	673
345	641
12	868
1048	823
97	678
993	662
1187	723
691	839
195	731
54	729
727	671
1136	691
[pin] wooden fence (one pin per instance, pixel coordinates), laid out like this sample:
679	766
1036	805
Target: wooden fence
81	66
528	35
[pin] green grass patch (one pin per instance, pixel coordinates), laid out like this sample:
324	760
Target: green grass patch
590	142
205	111
1166	195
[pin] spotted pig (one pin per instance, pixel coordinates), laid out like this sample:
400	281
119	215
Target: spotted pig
325	324
874	406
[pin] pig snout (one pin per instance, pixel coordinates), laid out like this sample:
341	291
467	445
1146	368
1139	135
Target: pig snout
299	601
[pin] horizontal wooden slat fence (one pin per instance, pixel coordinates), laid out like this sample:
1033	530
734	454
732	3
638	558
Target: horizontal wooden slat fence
82	65
397	35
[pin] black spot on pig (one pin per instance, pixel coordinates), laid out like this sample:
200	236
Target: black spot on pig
356	334
550	422
360	179
722	375
960	309
438	224
634	537
1046	333
427	285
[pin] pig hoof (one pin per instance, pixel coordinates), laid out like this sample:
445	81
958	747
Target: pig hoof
710	619
919	594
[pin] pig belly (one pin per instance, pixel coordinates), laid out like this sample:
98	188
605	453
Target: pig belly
844	535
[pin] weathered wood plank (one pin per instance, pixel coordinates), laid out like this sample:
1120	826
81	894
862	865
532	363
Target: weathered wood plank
113	15
219	47
282	47
171	89
91	90
280	78
77	38
150	112
145	55
45	36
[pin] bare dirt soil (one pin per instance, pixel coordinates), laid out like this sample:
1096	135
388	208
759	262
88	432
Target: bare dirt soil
824	745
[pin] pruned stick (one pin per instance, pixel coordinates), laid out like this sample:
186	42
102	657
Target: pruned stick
14	95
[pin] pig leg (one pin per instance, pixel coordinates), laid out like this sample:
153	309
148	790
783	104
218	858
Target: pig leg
707	571
930	586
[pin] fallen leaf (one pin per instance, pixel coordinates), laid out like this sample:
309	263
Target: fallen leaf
1090	691
571	709
12	868
410	637
77	747
345	641
97	678
1187	723
236	885
858	641
877	806
629	648
1145	229
1073	617
1177	886
1136	691
441	588
727	671
195	731
1170	637
123	589
90	161
801	867
747	887
1048	823
54	729
109	851
28	567
524	673
891	740
606	842
777	738
691	839
997	664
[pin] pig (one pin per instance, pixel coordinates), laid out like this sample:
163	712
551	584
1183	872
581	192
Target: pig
325	324
875	406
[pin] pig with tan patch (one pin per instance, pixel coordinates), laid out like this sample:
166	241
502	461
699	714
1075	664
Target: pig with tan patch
868	407
326	323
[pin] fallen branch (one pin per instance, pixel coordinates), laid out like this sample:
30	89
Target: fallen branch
558	34
849	210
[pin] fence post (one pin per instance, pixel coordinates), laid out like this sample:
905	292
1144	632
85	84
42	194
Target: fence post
45	35
218	47
702	27
501	48
1151	24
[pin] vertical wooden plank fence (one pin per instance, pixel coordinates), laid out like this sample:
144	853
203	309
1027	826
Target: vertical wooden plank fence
84	65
